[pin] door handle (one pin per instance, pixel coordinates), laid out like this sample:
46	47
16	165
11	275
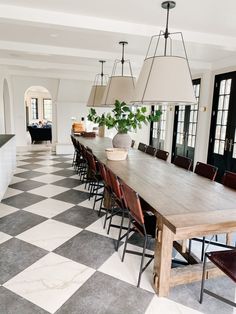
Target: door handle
231	145
226	144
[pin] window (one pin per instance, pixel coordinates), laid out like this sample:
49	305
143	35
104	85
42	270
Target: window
47	109
158	129
34	108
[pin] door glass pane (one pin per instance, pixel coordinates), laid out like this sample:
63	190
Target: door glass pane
226	102
222	87
224	117
221	102
228	86
221	148
234	150
159	128
219	117
216	147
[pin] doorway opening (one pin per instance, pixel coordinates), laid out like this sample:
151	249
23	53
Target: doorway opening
39	121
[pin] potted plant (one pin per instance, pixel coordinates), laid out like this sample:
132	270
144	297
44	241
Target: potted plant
124	120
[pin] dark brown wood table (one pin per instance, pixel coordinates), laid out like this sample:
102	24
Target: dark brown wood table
186	205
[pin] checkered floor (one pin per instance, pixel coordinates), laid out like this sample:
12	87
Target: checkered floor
55	256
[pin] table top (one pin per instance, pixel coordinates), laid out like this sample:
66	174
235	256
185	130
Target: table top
4	138
185	200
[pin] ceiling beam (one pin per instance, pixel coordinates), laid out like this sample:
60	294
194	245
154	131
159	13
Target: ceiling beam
55	19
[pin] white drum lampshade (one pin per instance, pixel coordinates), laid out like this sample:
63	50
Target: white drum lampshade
120	88
165	79
96	95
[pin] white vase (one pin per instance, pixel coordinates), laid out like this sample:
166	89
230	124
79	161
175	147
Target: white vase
122	140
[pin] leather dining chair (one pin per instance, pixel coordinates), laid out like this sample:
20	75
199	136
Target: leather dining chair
162	154
206	170
143	224
183	162
150	150
226	262
142	147
229	179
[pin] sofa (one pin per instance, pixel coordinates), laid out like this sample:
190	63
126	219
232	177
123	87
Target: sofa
40	134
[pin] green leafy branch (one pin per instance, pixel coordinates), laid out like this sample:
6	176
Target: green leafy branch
123	119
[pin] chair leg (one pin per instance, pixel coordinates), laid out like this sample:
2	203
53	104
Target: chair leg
110	221
203	248
126	240
203	279
142	260
121	227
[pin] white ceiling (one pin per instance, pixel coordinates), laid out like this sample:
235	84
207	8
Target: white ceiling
73	35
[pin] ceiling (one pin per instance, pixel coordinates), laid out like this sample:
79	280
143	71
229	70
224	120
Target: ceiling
71	36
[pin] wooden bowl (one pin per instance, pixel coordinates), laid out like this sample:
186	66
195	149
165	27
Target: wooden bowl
116	154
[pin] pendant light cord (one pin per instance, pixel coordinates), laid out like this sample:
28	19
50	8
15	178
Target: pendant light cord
166	35
122	59
102	74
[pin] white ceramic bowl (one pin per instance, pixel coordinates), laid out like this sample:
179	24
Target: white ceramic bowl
116	154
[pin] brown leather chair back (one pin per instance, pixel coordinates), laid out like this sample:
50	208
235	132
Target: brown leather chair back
183	162
206	170
162	154
229	179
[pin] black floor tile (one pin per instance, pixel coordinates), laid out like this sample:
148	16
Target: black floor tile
62	165
29	174
78	216
16	255
72	196
26	185
102	294
31	166
88	248
65	172
11	303
19	221
23	200
68	183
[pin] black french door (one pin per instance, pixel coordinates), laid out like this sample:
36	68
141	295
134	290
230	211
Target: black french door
185	127
222	142
158	129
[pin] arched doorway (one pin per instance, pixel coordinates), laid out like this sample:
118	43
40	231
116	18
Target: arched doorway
7	107
38	110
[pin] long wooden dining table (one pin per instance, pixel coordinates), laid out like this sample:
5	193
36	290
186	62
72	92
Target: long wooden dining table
186	205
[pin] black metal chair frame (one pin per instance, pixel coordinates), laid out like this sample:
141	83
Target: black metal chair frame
204	290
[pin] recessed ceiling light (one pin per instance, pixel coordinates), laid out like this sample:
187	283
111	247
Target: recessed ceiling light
54	35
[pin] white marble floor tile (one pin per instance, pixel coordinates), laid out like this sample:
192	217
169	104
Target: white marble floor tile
48	208
87	203
47	169
50	282
49	178
97	227
20	170
17	180
46	162
11	192
128	270
49	190
81	188
21	163
163	305
4	237
49	234
6	210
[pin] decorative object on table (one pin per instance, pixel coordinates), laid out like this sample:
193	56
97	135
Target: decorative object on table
88	134
98	88
78	128
120	85
165	76
124	120
116	154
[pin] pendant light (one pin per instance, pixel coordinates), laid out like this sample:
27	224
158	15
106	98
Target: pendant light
98	88
165	77
120	86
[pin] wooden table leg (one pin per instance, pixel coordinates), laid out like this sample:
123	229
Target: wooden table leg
162	260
